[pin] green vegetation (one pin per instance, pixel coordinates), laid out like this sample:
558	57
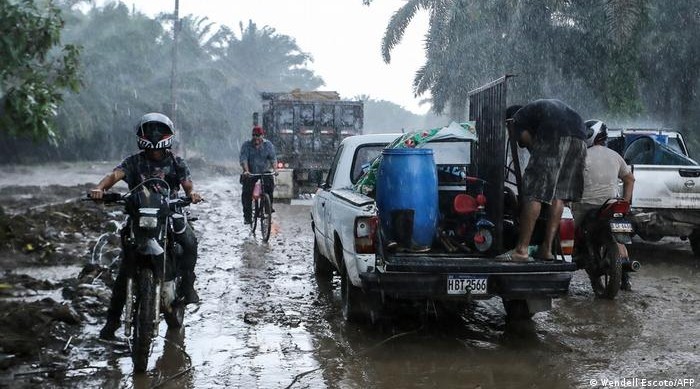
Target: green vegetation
74	78
34	68
126	60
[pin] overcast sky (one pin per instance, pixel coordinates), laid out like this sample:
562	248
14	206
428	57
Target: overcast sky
343	36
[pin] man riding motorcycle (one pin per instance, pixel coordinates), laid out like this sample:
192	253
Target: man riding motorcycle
604	167
155	137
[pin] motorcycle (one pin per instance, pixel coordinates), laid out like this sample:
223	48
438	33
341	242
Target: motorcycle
153	286
596	246
468	229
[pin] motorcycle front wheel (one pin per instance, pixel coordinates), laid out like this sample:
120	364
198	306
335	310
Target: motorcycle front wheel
144	319
606	277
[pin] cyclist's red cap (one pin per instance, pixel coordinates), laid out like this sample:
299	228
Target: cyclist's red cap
257	130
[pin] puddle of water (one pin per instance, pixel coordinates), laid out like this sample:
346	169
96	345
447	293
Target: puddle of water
50	273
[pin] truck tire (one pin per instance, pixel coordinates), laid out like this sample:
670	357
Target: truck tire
694	239
352	300
323	269
517	310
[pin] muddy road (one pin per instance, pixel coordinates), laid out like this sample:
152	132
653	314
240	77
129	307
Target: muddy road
264	323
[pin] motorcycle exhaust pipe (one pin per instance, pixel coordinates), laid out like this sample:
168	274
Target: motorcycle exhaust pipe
628	265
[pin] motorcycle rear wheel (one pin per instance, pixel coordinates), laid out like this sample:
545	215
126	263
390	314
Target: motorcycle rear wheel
144	320
176	317
607	278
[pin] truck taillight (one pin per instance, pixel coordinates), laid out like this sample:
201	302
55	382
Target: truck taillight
566	235
365	232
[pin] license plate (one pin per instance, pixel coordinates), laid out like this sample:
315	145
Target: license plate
621	227
463	284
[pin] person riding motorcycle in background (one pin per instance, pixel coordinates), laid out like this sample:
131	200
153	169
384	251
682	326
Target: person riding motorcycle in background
257	156
155	137
604	167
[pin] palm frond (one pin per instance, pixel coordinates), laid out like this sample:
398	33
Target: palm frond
623	17
397	26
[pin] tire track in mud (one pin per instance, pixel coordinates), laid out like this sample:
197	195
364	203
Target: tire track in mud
257	297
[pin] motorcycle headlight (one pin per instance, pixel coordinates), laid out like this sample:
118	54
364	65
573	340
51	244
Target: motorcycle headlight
148	217
148	221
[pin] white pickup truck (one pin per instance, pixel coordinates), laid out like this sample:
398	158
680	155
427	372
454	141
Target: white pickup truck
346	240
666	197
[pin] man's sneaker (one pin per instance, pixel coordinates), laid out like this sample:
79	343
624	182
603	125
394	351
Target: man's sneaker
107	332
191	296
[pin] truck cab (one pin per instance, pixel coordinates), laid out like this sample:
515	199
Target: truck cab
666	196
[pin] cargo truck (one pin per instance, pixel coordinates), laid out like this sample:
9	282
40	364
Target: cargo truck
306	128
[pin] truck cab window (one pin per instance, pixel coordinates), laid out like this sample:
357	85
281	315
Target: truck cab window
363	158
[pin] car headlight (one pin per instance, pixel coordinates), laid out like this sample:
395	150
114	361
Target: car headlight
148	222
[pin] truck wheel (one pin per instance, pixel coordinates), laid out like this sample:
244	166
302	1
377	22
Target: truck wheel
695	242
322	266
351	299
517	310
606	280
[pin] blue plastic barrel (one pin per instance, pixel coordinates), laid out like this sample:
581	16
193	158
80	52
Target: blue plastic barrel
407	192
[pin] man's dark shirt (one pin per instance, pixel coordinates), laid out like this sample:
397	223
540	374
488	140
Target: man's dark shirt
549	119
171	168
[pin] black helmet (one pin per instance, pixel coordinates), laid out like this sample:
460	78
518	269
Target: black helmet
596	131
155	131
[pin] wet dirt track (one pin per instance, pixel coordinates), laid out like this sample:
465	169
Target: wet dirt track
263	322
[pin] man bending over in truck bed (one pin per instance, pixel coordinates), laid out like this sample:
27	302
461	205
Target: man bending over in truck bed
554	134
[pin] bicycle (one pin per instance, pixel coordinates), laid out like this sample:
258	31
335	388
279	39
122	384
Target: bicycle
262	206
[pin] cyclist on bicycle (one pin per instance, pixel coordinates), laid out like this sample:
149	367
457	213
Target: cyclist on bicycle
155	137
257	157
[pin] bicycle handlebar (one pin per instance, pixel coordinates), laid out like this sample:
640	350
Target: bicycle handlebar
260	174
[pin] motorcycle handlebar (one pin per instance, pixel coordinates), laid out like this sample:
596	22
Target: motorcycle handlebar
111	197
182	201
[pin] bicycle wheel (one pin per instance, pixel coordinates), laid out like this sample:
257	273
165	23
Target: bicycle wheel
256	212
265	217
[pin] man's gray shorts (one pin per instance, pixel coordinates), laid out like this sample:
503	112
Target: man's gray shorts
555	170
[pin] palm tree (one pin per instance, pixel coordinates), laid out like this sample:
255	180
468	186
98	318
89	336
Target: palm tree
469	43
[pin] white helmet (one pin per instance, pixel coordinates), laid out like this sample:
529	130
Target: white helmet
596	131
155	131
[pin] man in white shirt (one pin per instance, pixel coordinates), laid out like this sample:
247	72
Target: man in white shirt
603	168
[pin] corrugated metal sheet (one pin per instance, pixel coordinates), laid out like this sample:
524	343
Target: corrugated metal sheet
487	106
